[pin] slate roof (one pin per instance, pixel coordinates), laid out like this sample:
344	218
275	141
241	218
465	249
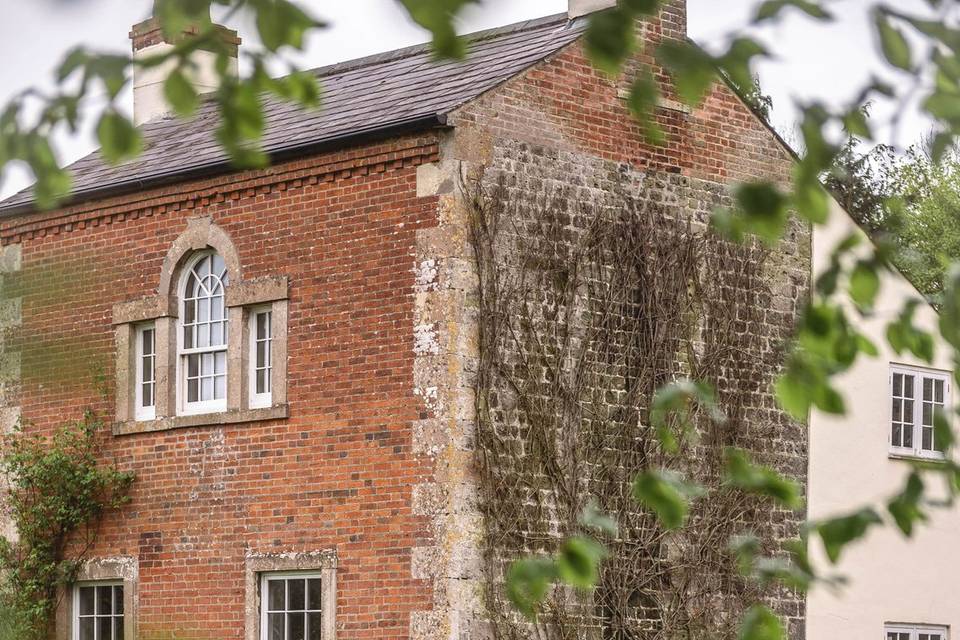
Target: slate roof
379	95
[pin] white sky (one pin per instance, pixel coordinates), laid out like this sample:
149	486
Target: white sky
814	62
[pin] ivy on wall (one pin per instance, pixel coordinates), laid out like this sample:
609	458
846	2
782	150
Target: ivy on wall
56	494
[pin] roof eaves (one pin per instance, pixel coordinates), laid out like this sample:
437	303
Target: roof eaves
180	174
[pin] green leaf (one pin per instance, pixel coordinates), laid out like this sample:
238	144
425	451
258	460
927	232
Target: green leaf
610	39
943	436
592	517
864	284
642	102
950	308
119	139
894	45
528	582
837	533
579	560
760	623
905	506
772	9
300	87
666	495
675	400
180	94
642	7
282	23
75	58
437	17
112	71
692	69
744	475
764	210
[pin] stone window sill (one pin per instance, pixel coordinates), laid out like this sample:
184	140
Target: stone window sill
234	416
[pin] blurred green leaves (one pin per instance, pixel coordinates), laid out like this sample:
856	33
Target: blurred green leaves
667	494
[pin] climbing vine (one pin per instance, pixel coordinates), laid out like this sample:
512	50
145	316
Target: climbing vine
56	495
586	310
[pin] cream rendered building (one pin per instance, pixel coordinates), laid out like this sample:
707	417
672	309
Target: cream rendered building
899	588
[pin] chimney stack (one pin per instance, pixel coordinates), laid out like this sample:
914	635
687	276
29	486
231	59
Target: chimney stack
577	8
149	40
672	21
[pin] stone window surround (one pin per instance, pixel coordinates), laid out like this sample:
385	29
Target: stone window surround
123	569
162	310
257	564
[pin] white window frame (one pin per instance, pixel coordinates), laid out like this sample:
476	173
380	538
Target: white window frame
260	400
141	412
918	374
915	630
75	622
184	406
286	575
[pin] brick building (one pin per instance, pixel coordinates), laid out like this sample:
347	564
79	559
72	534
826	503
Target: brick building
287	357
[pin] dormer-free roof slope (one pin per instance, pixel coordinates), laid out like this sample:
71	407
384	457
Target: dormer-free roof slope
380	95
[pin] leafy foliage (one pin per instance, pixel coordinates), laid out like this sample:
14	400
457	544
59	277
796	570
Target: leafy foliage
57	492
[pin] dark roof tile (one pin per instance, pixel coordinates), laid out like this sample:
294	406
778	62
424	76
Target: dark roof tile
376	93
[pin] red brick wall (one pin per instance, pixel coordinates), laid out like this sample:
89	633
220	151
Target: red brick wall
565	103
338	473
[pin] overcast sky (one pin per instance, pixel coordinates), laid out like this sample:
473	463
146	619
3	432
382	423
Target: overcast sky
828	63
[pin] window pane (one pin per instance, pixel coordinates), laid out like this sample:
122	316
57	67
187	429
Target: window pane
86	629
104	627
86	600
216	308
219	268
216	334
275	626
147	395
262	325
193	390
928	391
261	354
908	411
908	436
118	628
314	626
221	362
220	387
938	396
193	366
262	381
897	409
118	600
104	600
206	388
296	626
314	594
927	441
276	599
908	386
296	595
897	435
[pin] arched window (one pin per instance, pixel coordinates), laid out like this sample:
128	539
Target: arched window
210	347
203	334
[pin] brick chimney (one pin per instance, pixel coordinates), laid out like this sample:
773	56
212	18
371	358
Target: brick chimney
149	40
673	15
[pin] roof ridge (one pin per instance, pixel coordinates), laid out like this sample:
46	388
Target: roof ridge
416	49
